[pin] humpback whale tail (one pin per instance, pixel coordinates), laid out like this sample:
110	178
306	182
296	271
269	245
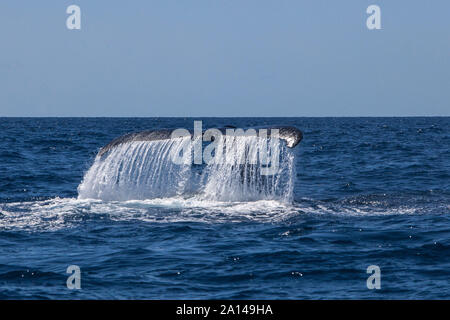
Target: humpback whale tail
140	166
291	135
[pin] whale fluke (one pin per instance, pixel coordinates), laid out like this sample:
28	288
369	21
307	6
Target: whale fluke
291	135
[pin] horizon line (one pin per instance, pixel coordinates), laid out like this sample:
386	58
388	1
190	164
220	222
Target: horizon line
406	116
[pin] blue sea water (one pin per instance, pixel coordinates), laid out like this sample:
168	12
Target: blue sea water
367	191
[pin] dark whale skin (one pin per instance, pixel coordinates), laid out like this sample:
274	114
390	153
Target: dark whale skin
291	135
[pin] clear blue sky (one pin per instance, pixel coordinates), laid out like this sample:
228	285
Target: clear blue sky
224	58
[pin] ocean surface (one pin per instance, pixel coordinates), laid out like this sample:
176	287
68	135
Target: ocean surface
355	192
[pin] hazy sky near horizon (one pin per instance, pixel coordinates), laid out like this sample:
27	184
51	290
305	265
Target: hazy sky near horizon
225	58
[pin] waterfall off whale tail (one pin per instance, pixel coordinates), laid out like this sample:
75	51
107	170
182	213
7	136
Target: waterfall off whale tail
139	166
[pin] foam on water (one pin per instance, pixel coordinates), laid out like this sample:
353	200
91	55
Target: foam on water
59	213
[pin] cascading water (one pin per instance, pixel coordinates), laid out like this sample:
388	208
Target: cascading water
141	170
136	170
240	176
